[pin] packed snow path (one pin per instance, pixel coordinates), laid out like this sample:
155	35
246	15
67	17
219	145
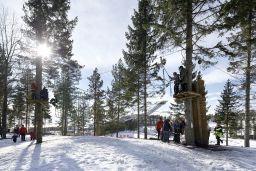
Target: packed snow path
106	153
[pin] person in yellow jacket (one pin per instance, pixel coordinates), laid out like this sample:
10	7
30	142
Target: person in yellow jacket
218	133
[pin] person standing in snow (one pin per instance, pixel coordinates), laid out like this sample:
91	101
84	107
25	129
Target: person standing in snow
23	132
16	130
177	129
218	133
159	126
182	126
14	137
166	130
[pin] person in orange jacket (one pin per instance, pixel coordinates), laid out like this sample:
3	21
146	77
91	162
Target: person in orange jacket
159	126
23	132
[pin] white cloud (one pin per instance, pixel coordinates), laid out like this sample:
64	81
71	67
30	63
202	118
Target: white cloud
216	76
99	36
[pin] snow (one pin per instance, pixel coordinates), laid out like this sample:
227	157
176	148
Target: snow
88	153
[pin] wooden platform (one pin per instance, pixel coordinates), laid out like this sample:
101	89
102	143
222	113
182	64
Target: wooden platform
37	101
186	95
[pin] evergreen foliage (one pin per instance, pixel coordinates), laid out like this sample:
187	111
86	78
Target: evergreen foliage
97	95
117	97
237	22
140	55
48	22
182	24
228	110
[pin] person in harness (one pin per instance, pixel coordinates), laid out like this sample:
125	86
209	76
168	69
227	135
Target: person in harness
176	79
183	79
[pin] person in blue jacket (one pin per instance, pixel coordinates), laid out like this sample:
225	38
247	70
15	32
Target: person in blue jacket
166	130
177	130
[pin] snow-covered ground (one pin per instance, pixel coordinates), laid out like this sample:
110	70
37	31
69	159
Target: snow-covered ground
108	153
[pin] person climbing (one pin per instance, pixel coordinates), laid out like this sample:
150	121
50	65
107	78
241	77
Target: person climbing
218	133
159	126
183	79
34	88
166	130
176	79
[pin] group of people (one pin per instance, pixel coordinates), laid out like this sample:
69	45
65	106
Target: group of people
21	132
165	128
180	81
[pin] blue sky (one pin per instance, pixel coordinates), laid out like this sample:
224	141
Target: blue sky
99	38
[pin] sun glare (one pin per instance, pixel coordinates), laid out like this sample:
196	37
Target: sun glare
43	50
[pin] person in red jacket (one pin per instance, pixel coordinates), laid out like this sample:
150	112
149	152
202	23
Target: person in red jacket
159	126
23	132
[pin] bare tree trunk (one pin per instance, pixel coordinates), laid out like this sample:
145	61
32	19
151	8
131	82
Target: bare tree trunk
27	83
94	112
4	106
248	83
227	127
118	105
145	103
189	129
138	108
39	119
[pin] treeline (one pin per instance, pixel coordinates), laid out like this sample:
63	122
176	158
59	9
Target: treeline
157	26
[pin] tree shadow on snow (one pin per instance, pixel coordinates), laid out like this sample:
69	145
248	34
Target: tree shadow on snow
157	158
44	160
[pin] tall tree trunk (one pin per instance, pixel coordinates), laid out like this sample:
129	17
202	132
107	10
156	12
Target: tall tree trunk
138	108
227	126
38	110
62	112
94	111
145	102
118	105
248	82
4	106
65	127
27	94
189	129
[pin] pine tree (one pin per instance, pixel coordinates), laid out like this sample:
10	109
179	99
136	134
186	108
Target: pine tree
228	110
240	16
120	95
177	108
96	94
48	22
111	112
140	56
183	24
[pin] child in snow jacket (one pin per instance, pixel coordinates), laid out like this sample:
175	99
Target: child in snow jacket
159	126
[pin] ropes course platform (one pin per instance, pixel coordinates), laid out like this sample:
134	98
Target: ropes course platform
31	101
186	95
